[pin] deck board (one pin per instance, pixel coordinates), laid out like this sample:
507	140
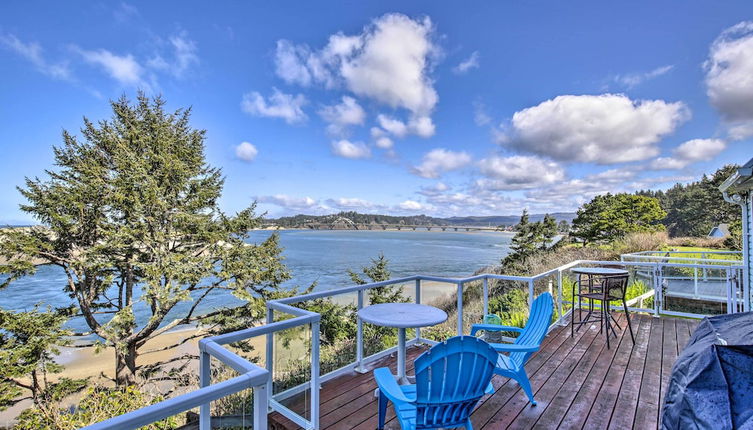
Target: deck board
577	382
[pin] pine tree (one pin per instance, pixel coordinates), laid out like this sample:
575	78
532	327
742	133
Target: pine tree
131	216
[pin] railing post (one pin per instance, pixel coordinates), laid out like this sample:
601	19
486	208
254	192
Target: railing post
315	375
418	301
486	296
531	294
205	379
703	257
460	308
261	406
270	350
359	337
695	282
731	294
560	307
657	290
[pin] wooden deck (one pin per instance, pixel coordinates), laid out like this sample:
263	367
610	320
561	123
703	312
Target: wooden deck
577	381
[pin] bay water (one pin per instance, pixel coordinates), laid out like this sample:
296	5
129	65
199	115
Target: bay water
312	256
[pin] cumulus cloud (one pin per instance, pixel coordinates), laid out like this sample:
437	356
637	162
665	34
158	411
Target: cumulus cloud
354	203
690	152
468	64
414	206
388	62
33	53
729	77
604	129
279	105
289	202
631	80
438	161
246	151
518	172
123	68
421	126
348	112
347	149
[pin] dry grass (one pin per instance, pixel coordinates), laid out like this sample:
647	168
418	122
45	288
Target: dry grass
698	242
637	242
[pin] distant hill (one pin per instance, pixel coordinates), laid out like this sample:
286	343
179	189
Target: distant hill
345	218
505	219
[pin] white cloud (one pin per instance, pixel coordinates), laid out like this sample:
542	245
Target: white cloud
342	115
421	126
354	203
392	125
729	78
413	206
347	149
603	129
439	160
289	202
384	143
634	79
280	105
33	52
389	61
123	68
480	117
184	56
246	151
518	172
468	64
690	152
434	190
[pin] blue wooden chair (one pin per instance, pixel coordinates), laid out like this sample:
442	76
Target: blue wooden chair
528	341
450	379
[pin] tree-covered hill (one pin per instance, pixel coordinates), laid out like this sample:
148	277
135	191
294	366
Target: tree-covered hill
301	220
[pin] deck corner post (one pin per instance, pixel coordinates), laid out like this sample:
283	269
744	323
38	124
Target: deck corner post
359	337
460	308
205	375
314	375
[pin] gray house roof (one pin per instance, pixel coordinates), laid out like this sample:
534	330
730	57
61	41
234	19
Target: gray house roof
722	230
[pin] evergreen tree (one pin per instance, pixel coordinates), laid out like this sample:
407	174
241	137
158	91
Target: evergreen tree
131	215
29	342
608	217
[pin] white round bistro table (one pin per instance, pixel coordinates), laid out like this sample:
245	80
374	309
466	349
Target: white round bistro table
402	316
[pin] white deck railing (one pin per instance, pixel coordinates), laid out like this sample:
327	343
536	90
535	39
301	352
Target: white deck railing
651	268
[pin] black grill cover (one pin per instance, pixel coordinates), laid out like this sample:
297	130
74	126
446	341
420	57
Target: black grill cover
712	380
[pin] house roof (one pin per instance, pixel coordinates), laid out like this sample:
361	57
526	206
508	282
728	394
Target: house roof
740	181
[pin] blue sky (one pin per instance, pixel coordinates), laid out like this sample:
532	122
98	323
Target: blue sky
396	107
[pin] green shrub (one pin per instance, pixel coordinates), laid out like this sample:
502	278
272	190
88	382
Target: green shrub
98	404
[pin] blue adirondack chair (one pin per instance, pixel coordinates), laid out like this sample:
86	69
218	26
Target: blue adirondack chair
528	341
450	378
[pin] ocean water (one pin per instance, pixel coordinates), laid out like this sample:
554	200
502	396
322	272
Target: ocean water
320	256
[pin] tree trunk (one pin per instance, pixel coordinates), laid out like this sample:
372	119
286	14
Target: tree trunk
125	366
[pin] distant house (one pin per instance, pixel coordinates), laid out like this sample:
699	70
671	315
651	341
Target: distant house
720	231
738	189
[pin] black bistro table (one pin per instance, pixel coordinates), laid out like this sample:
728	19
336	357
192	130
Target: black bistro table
591	285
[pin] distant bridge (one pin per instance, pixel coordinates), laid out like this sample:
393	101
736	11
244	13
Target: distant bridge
356	226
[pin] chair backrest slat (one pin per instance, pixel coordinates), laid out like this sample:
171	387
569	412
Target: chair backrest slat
536	328
450	378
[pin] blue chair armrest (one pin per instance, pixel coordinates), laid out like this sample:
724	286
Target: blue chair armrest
504	347
493	327
387	385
